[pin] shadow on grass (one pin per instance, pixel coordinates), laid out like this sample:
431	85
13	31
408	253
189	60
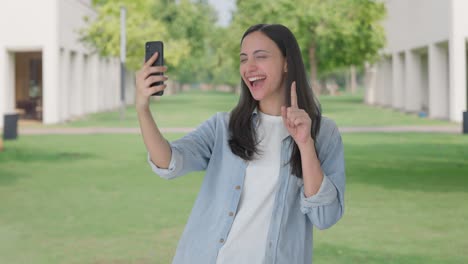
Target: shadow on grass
33	155
410	166
15	157
326	253
351	99
9	176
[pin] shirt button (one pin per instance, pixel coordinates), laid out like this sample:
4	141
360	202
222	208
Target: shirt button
231	213
221	240
238	187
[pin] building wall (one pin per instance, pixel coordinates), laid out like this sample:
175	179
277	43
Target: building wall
75	80
25	25
412	24
427	41
457	59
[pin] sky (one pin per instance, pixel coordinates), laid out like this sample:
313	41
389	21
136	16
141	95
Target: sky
224	8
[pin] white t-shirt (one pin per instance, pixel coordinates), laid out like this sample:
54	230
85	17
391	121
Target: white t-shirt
246	242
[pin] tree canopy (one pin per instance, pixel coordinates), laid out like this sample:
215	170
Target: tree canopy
332	34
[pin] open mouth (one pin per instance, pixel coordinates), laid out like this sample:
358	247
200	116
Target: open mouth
256	80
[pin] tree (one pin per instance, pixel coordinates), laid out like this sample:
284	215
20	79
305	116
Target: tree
103	33
193	22
185	26
333	34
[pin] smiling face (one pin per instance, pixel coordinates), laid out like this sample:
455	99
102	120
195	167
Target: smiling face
263	69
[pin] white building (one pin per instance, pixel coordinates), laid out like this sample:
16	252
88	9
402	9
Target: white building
45	72
424	65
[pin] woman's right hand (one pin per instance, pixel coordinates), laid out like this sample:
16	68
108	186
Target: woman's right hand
144	79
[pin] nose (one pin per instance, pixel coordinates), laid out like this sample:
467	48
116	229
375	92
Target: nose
251	65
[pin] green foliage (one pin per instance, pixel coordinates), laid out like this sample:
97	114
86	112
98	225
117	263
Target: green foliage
192	22
353	36
181	26
186	27
226	61
340	33
343	33
103	32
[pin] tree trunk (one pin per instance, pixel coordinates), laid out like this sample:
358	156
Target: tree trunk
313	70
353	80
232	89
348	81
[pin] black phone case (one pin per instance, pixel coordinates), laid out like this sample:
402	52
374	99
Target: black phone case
150	48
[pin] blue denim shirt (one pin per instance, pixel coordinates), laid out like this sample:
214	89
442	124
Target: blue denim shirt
294	215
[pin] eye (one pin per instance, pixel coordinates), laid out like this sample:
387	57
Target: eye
242	60
261	57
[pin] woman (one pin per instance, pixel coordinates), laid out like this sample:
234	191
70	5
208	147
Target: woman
274	166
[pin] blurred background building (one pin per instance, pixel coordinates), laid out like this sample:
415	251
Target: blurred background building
423	68
46	73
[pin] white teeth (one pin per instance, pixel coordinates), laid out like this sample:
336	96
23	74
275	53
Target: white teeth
256	78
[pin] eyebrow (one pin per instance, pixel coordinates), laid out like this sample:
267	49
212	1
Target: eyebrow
255	52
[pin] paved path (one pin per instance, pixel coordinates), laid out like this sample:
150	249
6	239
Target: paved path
120	130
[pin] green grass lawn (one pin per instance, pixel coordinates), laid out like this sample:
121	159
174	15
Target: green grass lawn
93	199
172	111
349	110
169	111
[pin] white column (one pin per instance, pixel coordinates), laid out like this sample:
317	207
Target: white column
63	93
398	81
102	85
51	89
424	81
387	82
380	82
370	84
78	72
457	61
105	84
50	65
85	91
3	82
113	83
117	80
94	82
438	82
7	82
130	87
413	87
72	86
113	86
114	77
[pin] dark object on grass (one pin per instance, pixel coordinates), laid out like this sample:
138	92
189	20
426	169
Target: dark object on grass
10	126
465	122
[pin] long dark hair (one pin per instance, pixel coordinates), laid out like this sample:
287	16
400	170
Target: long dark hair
242	131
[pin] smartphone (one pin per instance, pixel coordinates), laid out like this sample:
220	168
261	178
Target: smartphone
150	48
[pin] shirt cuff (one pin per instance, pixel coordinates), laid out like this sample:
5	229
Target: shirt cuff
160	171
325	195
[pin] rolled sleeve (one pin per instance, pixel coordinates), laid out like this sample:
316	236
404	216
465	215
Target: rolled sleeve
170	172
327	194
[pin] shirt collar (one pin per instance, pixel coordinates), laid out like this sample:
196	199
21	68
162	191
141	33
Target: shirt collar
255	120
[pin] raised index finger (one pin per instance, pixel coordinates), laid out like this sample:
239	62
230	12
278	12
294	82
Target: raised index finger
293	95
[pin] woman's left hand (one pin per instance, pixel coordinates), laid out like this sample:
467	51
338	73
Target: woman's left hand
296	120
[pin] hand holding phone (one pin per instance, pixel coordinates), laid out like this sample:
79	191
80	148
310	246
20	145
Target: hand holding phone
152	47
